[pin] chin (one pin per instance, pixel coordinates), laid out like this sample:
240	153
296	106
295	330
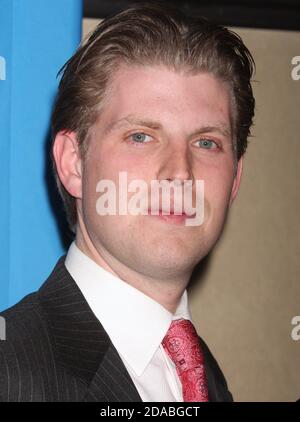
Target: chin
171	260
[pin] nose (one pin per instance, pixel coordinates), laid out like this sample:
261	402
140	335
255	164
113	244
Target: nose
175	164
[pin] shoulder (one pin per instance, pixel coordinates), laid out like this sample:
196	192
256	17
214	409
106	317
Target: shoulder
22	320
21	352
30	369
32	364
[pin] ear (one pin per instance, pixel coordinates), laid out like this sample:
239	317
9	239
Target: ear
68	162
237	180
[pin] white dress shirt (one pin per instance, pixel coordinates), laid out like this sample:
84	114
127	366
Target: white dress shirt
135	323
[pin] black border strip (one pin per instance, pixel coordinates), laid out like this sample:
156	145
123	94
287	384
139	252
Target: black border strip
269	14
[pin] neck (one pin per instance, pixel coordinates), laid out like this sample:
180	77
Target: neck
166	292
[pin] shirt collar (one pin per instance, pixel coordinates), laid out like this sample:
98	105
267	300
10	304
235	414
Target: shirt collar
135	323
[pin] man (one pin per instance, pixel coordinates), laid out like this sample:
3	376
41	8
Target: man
153	96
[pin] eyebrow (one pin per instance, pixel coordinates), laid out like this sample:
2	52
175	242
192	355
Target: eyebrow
135	120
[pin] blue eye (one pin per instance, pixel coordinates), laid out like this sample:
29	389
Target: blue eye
140	137
207	144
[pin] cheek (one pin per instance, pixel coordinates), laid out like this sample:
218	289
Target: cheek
94	171
114	160
108	169
217	189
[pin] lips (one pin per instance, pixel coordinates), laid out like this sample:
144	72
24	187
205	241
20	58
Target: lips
169	216
171	212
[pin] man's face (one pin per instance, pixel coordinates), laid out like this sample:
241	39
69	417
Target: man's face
190	140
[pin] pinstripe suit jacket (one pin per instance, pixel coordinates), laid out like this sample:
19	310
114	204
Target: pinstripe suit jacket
57	350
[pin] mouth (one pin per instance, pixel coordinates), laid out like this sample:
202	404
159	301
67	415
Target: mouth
169	216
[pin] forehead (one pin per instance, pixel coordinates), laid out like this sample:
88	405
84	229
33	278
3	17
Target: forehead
161	94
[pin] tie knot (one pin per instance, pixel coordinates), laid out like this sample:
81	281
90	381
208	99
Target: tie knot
182	345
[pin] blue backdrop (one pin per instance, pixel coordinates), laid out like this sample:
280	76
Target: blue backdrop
36	38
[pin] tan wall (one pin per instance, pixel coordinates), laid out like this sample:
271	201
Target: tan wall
250	287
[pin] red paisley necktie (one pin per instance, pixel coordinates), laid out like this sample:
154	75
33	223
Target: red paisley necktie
182	345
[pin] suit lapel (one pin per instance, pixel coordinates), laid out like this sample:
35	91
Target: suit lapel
216	383
80	341
111	382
